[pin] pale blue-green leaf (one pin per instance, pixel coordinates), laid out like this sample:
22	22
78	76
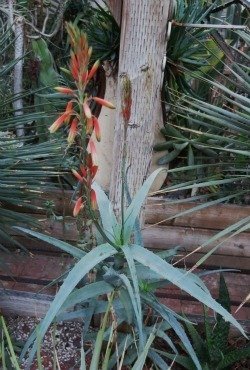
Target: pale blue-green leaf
132	298
122	346
222	234
185	361
177	327
143	355
83	360
133	211
68	248
109	222
133	274
127	304
182	280
87	263
131	265
161	334
157	360
87	292
151	300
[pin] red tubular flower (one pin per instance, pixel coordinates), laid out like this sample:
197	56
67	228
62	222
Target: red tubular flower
58	123
87	110
93	69
74	66
103	102
91	148
84	77
89	126
63	118
97	128
92	167
72	131
64	90
78	206
93	199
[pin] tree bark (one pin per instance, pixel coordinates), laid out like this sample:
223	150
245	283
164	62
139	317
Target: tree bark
142	50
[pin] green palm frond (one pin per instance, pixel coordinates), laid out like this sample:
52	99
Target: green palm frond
207	106
27	166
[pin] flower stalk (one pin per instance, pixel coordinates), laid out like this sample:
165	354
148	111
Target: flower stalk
81	123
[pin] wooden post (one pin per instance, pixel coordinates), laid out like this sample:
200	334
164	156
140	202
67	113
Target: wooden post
142	51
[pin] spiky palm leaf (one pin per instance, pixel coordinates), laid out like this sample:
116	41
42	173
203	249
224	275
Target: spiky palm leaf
27	168
207	106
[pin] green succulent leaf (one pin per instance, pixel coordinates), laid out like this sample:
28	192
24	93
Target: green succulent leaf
182	280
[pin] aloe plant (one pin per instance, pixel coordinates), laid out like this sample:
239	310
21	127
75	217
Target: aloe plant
131	273
212	348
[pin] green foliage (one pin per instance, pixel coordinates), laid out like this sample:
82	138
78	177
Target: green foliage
103	34
8	350
122	269
46	80
212	348
206	106
27	167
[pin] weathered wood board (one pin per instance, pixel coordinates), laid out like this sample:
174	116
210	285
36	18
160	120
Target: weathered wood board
163	230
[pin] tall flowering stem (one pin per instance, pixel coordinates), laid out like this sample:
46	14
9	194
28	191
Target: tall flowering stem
82	124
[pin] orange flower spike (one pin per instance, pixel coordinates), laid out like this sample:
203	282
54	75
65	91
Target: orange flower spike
77	175
93	69
78	207
93	199
87	110
58	123
72	131
64	90
97	128
89	126
103	102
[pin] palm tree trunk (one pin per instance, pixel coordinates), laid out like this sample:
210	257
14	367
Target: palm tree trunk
142	51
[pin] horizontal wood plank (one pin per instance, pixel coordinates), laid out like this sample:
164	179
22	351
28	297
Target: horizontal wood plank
160	237
216	217
166	237
157	210
29	274
24	303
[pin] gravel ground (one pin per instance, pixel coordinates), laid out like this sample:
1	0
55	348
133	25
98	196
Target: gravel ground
67	341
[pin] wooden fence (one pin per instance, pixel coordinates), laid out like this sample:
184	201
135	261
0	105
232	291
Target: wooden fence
24	278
